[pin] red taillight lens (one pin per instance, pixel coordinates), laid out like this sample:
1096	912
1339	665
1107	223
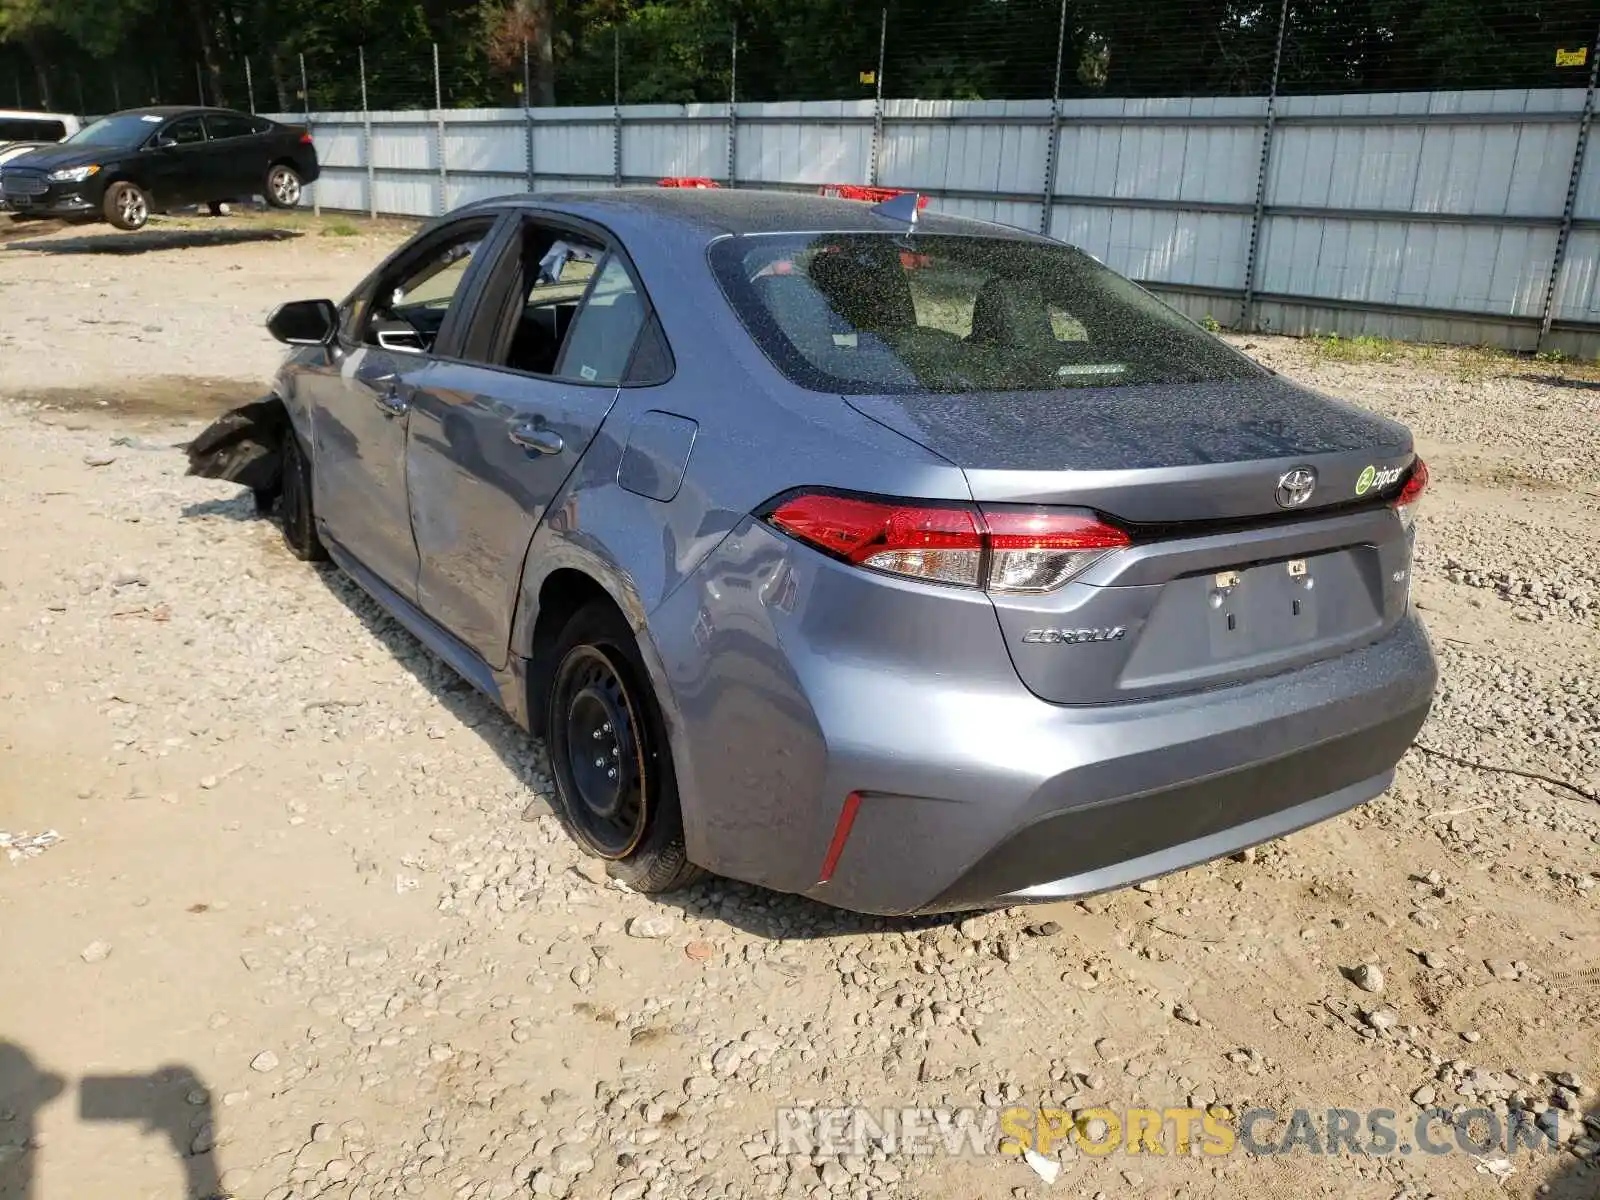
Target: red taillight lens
928	542
305	139
1406	502
1035	551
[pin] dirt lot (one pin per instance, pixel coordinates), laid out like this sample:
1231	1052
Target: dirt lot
296	939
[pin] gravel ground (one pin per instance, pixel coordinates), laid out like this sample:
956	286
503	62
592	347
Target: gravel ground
299	939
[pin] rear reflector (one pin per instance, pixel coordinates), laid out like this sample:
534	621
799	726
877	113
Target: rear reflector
1001	550
305	139
841	835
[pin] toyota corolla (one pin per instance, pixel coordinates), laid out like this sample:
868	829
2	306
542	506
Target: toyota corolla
907	562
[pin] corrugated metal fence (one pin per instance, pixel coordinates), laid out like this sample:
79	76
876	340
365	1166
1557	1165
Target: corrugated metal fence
1469	217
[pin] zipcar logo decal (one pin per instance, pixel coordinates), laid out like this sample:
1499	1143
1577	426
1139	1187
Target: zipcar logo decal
1372	477
1072	637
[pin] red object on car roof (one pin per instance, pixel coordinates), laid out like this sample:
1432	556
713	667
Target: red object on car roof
874	195
687	181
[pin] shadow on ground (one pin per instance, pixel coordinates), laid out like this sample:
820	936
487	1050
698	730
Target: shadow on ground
757	911
171	1100
1576	1178
149	240
1562	381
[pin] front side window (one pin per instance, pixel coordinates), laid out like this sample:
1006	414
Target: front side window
862	313
410	304
187	132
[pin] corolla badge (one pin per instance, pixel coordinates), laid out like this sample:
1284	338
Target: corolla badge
1073	637
1295	486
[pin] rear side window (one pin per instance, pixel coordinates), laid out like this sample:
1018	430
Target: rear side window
225	125
603	333
863	313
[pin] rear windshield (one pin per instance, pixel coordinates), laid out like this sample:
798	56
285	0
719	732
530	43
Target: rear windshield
31	129
862	313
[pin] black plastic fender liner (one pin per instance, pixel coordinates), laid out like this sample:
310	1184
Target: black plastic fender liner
244	445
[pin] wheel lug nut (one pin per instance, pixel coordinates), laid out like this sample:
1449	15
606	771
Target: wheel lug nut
599	762
606	727
597	735
611	774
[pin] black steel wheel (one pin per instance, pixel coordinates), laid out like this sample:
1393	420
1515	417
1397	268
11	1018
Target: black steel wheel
615	788
605	762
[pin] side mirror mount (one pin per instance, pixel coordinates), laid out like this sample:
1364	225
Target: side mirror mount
163	142
304	323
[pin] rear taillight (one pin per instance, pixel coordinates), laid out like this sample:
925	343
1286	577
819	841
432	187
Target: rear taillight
1005	550
305	139
1406	502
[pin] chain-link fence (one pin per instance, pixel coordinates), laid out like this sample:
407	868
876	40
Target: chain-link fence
492	53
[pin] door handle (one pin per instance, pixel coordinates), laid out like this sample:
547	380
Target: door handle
541	441
389	400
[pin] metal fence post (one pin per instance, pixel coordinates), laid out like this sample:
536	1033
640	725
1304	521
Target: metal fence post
1556	263
733	110
616	106
438	108
17	80
877	102
1047	216
527	114
305	103
250	85
116	92
1247	305
366	135
200	83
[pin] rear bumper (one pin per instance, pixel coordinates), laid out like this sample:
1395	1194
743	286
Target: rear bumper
818	682
1080	851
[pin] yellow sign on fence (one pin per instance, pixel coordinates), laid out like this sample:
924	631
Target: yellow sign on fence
1572	58
869	77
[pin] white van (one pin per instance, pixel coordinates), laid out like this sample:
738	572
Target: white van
23	131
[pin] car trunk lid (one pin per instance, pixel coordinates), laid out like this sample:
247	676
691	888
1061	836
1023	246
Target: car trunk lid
1152	455
1236	570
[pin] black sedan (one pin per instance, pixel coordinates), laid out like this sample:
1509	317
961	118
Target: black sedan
123	167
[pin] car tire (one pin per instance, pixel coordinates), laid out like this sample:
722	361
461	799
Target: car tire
283	186
126	206
295	507
601	704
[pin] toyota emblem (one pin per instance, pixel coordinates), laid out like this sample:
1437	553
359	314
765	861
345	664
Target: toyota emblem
1295	486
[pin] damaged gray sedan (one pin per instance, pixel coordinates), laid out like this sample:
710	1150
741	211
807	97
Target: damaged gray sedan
906	562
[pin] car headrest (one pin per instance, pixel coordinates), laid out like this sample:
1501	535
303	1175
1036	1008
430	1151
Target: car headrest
868	293
1011	312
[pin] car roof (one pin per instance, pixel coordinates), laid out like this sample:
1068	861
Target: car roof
176	110
718	211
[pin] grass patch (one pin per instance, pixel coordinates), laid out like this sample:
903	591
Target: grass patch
1362	349
340	229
